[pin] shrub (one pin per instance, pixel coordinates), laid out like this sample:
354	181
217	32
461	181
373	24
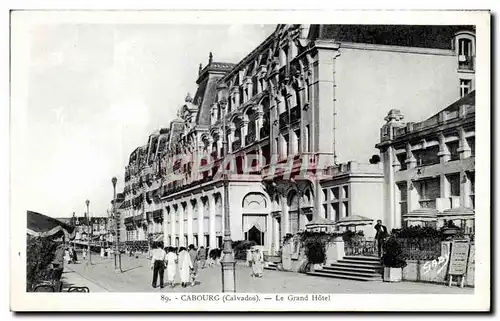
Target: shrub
348	235
393	254
417	232
39	254
240	249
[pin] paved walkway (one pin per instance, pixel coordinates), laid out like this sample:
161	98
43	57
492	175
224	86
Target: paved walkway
136	277
71	278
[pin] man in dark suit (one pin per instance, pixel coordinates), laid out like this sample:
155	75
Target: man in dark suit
380	236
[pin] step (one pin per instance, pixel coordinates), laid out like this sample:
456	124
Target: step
349	261
343	276
271	266
350	272
358	266
351	269
362	258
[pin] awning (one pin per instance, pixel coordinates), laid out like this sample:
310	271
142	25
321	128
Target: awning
158	238
40	225
354	220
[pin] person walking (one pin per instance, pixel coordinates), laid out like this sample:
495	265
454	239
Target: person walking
58	261
185	266
380	236
193	254
257	263
67	257
171	266
202	257
102	252
158	257
73	256
84	254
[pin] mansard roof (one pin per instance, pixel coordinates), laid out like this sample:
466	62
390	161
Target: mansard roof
437	36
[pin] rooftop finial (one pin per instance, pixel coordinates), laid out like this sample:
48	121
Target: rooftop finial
199	69
188	98
210	57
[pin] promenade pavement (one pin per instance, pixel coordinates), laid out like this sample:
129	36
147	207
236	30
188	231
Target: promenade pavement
136	277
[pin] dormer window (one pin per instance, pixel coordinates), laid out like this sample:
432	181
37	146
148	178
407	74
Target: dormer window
465	50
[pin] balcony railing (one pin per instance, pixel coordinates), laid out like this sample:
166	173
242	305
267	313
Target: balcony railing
250	138
284	120
294	114
236	145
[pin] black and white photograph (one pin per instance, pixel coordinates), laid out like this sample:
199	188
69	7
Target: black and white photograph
212	161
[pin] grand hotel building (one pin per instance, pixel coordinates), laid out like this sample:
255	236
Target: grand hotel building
307	100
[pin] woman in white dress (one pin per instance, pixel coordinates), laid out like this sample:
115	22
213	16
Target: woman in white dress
185	266
171	260
257	263
67	257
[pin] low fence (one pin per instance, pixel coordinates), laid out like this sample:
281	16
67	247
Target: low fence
420	248
361	247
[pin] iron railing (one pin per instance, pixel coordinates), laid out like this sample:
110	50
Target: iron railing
420	248
361	247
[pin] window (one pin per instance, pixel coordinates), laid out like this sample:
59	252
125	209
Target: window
325	195
465	87
345	208
453	149
335	192
472	144
454	181
308	139
403	198
345	189
325	211
428	156
335	211
465	54
402	160
428	191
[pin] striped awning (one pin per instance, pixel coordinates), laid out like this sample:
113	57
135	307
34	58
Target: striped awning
40	225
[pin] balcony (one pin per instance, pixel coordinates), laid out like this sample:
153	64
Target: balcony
284	120
294	114
250	138
236	145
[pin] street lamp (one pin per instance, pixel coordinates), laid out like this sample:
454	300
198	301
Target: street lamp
227	262
118	258
89	261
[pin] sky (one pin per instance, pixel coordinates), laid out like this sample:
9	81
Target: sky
97	91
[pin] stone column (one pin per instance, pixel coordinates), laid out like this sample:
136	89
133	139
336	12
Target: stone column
230	138
189	209
211	209
201	232
166	232
284	217
258	124
181	224
412	196
444	153
173	226
410	159
464	149
244	132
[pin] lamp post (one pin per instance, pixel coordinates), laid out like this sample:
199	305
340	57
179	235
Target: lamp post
118	258
227	262
89	225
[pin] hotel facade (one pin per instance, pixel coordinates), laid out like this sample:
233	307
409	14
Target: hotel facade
301	113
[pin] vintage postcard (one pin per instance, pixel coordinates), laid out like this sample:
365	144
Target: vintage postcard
250	161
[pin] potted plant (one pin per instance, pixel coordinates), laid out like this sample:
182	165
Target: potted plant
393	261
